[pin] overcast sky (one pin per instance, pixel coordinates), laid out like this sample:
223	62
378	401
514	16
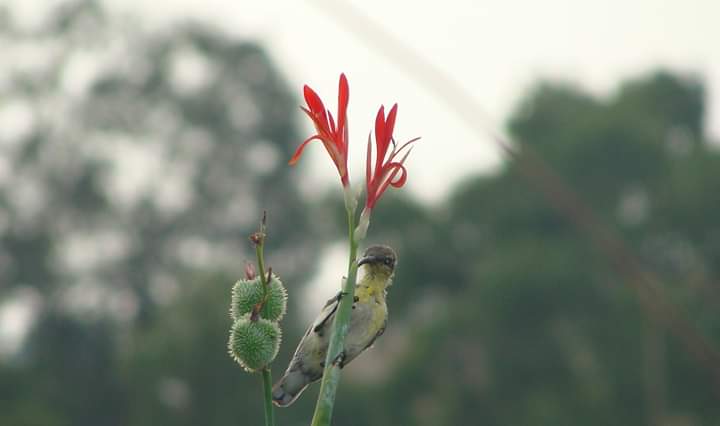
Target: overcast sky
494	49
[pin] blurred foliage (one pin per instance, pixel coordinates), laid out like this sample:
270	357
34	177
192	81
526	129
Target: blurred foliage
537	328
146	158
133	164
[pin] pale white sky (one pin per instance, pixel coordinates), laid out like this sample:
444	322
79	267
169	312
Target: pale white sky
494	48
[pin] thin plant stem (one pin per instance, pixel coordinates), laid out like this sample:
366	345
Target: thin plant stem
267	391
261	265
265	279
331	375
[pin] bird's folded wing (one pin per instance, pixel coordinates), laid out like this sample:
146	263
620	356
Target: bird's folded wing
326	315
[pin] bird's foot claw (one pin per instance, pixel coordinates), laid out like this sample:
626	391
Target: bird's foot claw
339	360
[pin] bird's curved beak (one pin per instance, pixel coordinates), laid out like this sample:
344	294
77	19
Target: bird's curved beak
366	259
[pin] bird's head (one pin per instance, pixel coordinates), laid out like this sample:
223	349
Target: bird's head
378	261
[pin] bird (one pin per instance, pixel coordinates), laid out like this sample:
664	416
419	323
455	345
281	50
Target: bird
367	322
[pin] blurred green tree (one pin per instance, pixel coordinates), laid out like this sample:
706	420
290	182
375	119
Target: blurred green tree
133	162
530	325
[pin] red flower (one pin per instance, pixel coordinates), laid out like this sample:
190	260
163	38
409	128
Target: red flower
387	171
334	138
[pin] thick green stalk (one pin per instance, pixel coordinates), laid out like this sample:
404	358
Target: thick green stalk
331	374
266	375
267	391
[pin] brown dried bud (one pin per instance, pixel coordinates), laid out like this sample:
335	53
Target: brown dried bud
255	313
257	238
250	271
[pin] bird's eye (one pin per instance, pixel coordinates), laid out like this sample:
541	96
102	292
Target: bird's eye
388	261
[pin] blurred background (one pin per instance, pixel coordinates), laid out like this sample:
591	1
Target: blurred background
569	276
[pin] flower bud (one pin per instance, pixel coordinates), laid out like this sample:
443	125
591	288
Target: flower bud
250	271
254	344
257	238
248	293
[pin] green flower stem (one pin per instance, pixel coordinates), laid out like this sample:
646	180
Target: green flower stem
267	390
266	375
331	375
261	263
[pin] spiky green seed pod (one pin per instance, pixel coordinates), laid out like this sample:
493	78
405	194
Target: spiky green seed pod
254	344
248	293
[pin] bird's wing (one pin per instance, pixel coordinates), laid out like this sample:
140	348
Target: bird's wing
318	326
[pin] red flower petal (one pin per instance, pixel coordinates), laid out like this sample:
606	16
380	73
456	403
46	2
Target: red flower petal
402	147
332	134
343	99
332	124
319	113
380	129
313	100
403	176
390	122
299	151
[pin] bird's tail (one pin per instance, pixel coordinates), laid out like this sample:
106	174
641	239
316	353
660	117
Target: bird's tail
289	387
